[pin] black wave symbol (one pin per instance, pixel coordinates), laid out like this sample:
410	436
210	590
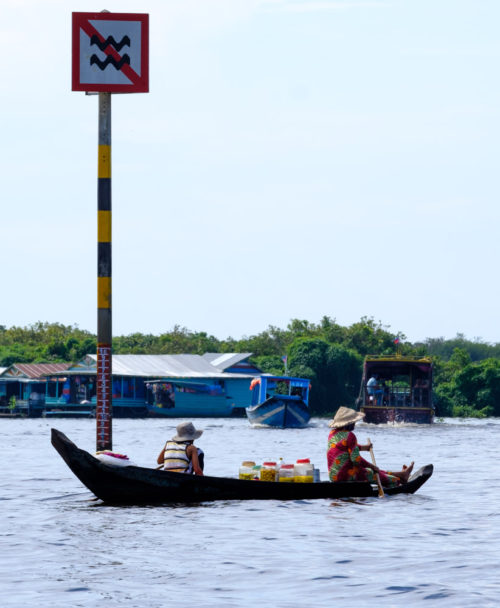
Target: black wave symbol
110	41
104	64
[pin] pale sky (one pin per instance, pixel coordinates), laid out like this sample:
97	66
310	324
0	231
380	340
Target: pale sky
293	159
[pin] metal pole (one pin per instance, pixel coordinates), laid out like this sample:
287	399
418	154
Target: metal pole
104	332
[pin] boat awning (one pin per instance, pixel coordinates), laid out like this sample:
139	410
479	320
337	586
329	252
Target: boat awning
397	365
304	382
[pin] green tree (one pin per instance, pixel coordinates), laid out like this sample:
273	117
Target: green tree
478	386
336	373
370	338
269	364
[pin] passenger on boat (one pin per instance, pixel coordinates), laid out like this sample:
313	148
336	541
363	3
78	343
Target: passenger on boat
180	455
344	460
374	390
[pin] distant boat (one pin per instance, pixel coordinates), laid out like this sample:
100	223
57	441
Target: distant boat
279	401
396	389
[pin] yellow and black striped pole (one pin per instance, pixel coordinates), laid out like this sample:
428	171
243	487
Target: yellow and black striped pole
104	335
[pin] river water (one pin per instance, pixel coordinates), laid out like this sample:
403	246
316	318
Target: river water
441	546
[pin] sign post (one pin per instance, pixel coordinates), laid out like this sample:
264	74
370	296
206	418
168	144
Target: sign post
110	55
104	317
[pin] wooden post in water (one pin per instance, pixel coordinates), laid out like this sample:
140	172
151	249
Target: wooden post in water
104	317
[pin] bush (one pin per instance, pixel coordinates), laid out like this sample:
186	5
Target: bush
467	411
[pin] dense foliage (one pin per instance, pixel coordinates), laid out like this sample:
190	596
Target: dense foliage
44	343
466	373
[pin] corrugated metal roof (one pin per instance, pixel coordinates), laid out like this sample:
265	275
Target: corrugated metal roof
161	366
34	370
225	360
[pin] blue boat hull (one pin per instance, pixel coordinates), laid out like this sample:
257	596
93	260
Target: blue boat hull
281	412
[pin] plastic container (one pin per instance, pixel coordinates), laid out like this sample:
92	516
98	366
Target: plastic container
286	473
304	471
316	475
246	469
256	472
268	471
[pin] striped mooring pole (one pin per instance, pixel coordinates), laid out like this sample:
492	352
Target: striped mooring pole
104	317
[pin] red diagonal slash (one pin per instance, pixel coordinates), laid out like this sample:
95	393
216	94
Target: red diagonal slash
131	74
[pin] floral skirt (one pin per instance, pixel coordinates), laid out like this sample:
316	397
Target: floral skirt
353	472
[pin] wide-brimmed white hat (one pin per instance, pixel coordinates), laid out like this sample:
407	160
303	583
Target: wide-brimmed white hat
346	416
186	432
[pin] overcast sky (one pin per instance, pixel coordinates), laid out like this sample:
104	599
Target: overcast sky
293	159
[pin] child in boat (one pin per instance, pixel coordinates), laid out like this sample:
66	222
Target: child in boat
344	460
180	455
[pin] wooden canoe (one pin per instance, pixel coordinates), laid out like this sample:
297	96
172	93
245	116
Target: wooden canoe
138	485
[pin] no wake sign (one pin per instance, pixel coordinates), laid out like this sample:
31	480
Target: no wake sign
110	52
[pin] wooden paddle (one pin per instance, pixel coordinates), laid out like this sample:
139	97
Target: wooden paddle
381	493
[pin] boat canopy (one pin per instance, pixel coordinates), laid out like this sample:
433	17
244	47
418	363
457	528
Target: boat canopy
302	382
387	367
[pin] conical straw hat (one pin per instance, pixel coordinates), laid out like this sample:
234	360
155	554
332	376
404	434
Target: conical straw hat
345	416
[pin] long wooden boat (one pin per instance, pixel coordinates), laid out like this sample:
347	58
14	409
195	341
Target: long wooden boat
271	408
139	485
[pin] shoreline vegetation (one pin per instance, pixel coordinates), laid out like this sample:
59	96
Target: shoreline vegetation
466	372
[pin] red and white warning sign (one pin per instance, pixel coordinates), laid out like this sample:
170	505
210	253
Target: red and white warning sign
111	52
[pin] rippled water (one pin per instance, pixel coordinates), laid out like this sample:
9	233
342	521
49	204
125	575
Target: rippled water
59	547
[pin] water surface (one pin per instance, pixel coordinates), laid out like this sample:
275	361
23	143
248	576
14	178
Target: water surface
441	546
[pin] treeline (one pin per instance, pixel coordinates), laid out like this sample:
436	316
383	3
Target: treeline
466	376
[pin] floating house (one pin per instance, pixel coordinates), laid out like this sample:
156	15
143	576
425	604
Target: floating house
31	387
209	385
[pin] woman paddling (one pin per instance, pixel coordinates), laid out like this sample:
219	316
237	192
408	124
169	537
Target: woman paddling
344	460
